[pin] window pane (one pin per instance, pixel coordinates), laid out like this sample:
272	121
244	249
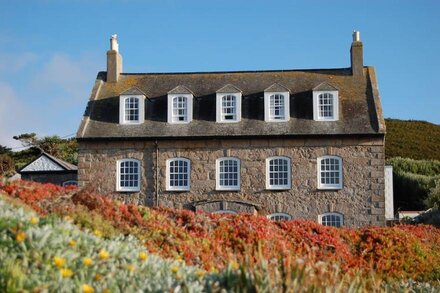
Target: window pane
178	173
180	109
330	172
279	170
229	173
229	107
131	109
277	107
325	105
129	174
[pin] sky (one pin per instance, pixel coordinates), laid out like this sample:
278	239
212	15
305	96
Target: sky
51	51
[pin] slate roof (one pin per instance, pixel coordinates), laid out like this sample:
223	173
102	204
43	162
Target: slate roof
360	111
65	166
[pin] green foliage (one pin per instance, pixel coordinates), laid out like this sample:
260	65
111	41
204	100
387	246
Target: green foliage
413	180
93	222
412	139
47	254
64	149
5	150
24	157
421	167
433	199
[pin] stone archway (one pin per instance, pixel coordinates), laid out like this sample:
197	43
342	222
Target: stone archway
226	205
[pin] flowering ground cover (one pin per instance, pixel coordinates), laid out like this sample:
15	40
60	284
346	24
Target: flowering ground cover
252	249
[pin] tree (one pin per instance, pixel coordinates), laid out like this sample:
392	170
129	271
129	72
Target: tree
65	149
433	199
5	150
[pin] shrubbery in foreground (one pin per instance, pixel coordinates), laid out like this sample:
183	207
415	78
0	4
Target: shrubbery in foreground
242	251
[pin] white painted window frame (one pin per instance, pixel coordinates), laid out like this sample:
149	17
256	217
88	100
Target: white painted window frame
168	177
341	175
316	106
289	175
286	217
141	99
70	182
118	176
267	116
217	174
189	107
321	216
219	107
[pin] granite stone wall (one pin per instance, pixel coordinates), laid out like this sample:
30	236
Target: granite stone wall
361	200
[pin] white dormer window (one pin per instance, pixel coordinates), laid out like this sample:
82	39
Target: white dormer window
325	103
228	104
180	104
131	109
276	104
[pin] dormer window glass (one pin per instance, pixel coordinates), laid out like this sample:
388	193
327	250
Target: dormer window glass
229	108
277	107
131	109
180	109
326	108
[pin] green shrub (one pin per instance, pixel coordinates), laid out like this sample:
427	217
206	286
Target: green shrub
413	180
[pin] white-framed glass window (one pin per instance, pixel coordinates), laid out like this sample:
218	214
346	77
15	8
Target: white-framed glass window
228	174
228	107
279	217
131	109
325	105
180	108
331	219
276	106
70	183
329	172
128	175
178	174
278	173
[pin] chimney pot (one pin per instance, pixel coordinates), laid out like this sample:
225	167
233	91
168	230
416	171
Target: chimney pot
356	36
114	43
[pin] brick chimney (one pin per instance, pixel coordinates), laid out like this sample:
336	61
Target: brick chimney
357	59
114	60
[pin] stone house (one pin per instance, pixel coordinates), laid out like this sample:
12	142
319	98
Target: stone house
49	169
288	144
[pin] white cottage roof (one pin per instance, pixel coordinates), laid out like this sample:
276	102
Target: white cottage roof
48	163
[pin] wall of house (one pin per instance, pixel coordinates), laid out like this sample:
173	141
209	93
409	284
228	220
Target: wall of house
361	200
57	178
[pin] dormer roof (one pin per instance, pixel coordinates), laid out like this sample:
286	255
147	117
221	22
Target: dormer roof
133	91
324	86
180	89
276	87
229	88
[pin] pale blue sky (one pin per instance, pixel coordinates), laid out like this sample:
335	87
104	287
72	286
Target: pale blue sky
50	51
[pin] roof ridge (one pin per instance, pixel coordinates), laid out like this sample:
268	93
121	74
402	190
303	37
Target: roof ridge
238	71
